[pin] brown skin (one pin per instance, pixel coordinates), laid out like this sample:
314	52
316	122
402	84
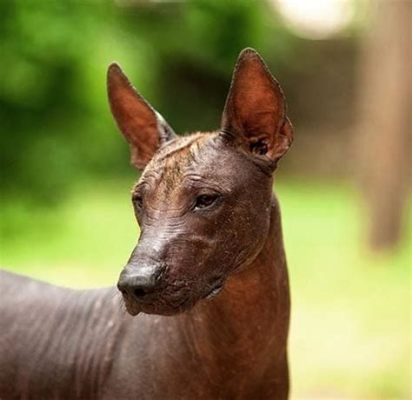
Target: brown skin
232	346
205	197
200	246
210	262
208	220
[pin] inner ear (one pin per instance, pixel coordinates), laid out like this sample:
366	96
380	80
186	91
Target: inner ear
143	127
255	110
258	146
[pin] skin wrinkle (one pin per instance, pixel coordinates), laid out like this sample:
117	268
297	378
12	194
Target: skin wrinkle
178	171
71	355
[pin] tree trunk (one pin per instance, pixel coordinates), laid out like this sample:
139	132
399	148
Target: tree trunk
384	139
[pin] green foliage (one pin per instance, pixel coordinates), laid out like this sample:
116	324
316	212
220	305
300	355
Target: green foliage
50	115
55	123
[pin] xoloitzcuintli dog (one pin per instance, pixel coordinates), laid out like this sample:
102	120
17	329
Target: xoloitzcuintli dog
206	288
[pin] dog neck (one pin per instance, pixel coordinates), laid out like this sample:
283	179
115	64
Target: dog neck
247	323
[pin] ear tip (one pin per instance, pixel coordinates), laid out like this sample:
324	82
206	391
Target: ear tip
249	53
115	76
114	68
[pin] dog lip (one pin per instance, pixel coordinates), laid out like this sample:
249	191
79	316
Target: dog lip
133	310
172	303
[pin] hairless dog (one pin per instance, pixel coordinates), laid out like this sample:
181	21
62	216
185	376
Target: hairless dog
205	289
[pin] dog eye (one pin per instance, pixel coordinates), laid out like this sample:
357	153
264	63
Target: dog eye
205	201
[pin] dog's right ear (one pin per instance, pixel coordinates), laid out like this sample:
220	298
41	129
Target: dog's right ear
142	126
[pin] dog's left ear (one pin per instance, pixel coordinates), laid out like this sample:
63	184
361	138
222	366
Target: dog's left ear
255	111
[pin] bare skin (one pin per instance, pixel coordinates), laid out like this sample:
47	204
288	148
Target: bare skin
206	287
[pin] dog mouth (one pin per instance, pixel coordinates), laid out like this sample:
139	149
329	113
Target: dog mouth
174	302
168	301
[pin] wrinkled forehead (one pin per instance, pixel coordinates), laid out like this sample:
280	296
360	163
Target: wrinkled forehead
201	156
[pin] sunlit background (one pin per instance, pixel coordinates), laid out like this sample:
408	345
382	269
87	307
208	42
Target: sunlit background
345	66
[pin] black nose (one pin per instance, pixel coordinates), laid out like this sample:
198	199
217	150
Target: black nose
139	281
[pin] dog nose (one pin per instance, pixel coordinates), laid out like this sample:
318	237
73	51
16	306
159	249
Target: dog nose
140	281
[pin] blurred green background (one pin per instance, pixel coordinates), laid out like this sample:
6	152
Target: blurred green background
65	210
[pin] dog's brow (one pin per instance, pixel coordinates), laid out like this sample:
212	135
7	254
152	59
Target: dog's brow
178	147
174	163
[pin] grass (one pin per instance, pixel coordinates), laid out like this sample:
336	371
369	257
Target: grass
350	333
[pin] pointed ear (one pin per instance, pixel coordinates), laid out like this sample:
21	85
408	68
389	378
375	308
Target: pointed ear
142	126
255	111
